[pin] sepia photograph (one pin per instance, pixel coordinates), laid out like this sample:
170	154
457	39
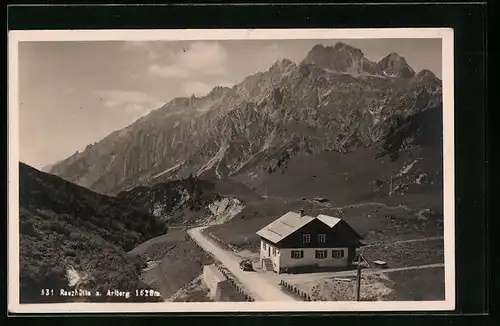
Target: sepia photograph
231	170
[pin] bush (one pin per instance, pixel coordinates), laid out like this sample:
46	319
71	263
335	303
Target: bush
139	262
70	253
60	227
26	227
130	240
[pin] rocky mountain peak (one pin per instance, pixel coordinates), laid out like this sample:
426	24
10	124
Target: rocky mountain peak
343	47
324	55
340	58
219	91
282	64
394	56
425	76
280	69
394	65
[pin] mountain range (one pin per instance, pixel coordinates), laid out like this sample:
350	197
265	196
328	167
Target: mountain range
361	135
335	99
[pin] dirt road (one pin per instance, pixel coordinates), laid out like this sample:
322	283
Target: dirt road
367	271
378	244
256	285
329	205
409	268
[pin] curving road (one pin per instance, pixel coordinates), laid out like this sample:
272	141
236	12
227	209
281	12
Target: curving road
260	288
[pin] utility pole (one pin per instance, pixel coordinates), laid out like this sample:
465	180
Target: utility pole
358	280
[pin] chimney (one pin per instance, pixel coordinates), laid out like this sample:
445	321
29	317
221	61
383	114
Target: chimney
301	212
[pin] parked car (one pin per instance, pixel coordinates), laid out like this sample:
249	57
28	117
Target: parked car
246	265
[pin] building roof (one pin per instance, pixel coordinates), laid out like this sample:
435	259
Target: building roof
329	220
284	226
291	222
333	221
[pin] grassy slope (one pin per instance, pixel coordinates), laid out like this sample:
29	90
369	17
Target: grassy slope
63	225
181	261
195	291
407	254
416	285
350	178
345	180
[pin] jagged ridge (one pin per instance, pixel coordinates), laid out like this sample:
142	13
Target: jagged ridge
335	99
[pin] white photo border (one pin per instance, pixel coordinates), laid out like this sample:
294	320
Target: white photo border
445	34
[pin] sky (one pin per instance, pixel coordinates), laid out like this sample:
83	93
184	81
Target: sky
73	93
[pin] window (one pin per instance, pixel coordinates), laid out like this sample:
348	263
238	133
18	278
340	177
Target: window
338	254
274	251
306	238
297	254
264	245
322	238
320	254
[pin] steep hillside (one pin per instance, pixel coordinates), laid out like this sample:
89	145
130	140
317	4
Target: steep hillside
175	260
355	186
72	238
173	201
191	201
334	100
410	155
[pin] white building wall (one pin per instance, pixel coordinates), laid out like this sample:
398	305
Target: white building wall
263	250
309	258
269	251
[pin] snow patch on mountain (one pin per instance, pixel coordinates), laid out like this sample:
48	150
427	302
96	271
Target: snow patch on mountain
76	278
269	140
214	160
73	276
406	168
175	167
